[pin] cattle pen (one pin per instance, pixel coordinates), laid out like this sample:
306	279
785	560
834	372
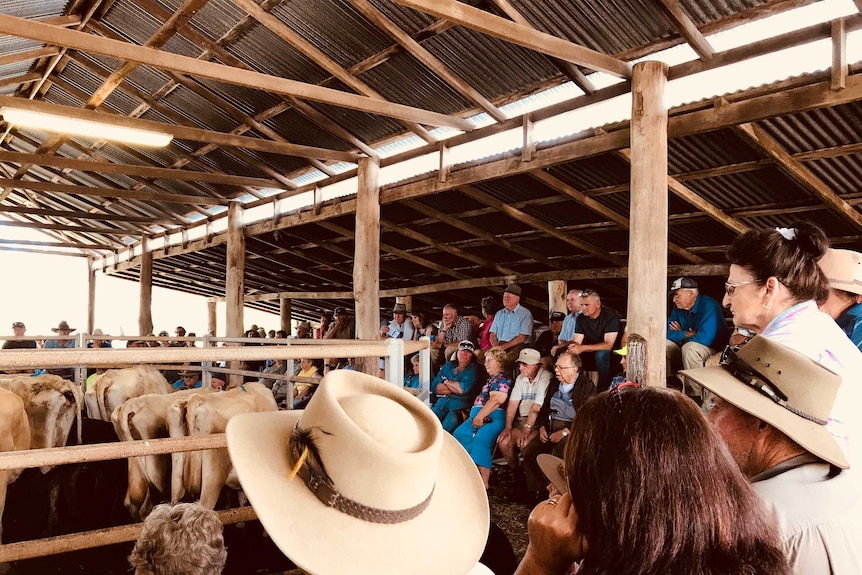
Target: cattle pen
392	350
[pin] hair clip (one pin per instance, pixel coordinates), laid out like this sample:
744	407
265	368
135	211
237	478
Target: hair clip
787	233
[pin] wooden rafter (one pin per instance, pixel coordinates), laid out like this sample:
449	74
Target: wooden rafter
537	223
591	204
176	63
27	55
521	35
38	186
70	228
687	29
82	215
416	50
801	174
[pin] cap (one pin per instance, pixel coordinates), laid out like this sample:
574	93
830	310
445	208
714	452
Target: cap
843	269
529	356
623	351
683	283
341	311
558	316
163	333
18	324
514	289
468	345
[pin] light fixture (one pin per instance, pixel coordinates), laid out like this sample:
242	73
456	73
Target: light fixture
87	128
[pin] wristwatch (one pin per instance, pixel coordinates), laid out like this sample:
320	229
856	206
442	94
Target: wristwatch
565	432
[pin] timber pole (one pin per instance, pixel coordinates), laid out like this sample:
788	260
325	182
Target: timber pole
235	280
366	261
212	321
647	313
145	304
557	290
91	295
285	310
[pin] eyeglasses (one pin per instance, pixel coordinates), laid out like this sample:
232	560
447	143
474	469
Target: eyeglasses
730	288
565	367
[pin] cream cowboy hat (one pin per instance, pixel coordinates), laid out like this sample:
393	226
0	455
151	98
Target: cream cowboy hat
379	477
782	387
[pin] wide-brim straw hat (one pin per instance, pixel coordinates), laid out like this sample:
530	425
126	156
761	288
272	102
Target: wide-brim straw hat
387	457
810	388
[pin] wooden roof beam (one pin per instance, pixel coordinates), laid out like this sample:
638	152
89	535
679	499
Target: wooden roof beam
591	204
70	228
82	215
311	52
567	68
110	247
805	177
480	233
38	186
26	55
32	30
443	247
148	172
687	29
416	50
535	222
521	35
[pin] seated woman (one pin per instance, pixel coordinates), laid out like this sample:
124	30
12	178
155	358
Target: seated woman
421	328
411	380
302	390
454	387
478	434
653	490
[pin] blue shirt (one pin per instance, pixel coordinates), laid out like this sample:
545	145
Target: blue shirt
567	333
705	318
851	323
57	344
180	384
510	324
468	378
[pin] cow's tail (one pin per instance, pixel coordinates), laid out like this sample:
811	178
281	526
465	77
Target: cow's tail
104	384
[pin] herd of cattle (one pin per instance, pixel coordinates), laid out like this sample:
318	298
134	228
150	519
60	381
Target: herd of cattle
40	411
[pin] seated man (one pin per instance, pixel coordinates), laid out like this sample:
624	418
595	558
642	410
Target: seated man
188	380
525	401
456	386
567	331
549	338
181	539
696	329
771	404
454	329
596	332
843	269
513	325
565	395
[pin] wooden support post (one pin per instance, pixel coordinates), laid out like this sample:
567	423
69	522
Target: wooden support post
366	266
557	290
443	171
647	313
212	322
91	295
839	54
235	280
145	304
528	143
284	314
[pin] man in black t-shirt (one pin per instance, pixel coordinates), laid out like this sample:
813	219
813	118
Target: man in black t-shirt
19	329
596	332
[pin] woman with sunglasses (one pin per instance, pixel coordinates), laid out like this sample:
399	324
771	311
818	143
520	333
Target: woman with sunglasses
773	288
644	500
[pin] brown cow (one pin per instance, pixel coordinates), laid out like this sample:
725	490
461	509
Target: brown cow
149	476
14	435
203	473
52	405
111	389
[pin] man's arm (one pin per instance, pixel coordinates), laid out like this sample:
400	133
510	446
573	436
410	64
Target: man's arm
606	344
707	326
675	335
515	341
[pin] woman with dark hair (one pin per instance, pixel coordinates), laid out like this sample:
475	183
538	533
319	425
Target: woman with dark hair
773	287
489	309
421	328
653	490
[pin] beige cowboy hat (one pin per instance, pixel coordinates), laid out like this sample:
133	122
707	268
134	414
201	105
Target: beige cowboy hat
843	269
782	387
63	325
376	475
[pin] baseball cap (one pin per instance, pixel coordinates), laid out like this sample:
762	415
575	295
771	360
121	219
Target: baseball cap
18	324
683	283
529	356
514	289
466	344
558	316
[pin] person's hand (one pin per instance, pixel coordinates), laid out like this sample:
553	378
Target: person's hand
674	326
555	542
543	434
690	333
556	436
525	439
505	435
575	348
384	330
478	422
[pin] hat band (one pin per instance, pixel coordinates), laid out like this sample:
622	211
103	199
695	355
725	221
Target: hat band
744	372
304	458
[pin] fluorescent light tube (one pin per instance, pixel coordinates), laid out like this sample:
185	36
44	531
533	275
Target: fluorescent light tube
87	128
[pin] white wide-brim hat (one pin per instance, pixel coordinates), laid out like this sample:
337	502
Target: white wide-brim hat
375	454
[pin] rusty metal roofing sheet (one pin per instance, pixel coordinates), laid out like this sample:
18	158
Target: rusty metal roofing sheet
816	129
301	130
709	150
264	51
752	188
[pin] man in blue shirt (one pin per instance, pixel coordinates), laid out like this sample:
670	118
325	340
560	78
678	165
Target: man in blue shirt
843	269
62	329
696	328
513	325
